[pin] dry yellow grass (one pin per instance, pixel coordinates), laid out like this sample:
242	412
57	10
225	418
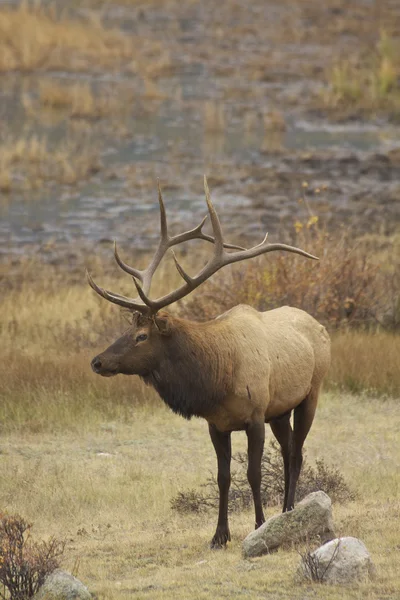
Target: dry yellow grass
366	361
105	487
214	120
369	81
28	162
151	91
81	100
274	121
35	36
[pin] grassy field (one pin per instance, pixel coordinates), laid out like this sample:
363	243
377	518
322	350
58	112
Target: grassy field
96	462
39	37
105	486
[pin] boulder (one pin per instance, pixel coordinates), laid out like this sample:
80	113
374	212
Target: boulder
340	561
311	518
61	585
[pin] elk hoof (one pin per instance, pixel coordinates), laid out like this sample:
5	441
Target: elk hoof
221	537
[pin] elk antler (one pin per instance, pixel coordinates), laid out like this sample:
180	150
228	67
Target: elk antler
145	276
219	259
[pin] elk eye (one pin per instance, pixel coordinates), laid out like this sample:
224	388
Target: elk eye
141	337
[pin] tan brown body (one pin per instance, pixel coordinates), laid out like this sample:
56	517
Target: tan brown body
279	356
239	371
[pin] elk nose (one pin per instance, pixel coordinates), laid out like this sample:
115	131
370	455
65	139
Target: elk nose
96	364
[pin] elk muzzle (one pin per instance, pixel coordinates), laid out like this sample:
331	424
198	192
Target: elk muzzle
102	367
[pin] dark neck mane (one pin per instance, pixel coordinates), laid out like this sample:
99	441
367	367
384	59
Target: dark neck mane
196	370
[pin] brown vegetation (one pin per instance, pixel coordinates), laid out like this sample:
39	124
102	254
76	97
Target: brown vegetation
28	162
321	477
81	100
368	81
24	564
35	36
355	283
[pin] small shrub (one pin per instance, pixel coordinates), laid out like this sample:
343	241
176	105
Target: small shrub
313	568
326	478
24	564
312	479
191	501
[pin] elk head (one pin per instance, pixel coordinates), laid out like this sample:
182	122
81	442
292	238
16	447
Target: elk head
140	349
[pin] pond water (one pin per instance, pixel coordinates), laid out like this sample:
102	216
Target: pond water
256	167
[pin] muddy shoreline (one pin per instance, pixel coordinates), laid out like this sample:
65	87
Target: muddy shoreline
236	94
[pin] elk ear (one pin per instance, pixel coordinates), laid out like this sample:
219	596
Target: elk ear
162	324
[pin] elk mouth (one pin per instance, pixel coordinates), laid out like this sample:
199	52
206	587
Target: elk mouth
100	368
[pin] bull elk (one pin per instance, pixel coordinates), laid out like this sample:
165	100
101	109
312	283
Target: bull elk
239	371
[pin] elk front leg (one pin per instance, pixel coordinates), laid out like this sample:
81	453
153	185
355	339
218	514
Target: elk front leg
222	445
255	439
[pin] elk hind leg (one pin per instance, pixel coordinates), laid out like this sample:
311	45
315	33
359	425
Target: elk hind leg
255	440
282	431
222	444
302	421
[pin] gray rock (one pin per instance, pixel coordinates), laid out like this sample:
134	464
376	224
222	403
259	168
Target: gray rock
312	517
341	561
61	585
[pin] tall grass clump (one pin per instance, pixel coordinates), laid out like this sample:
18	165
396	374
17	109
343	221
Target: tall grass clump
35	35
81	100
366	362
369	81
30	162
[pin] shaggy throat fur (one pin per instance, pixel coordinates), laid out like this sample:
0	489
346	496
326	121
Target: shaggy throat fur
193	377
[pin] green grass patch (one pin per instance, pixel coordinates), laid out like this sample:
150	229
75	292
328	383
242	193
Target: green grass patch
369	81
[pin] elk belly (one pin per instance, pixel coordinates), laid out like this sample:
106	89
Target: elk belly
234	413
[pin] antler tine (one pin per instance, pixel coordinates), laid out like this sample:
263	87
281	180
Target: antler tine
180	270
116	298
197	233
149	303
209	238
136	274
163	216
216	225
145	276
